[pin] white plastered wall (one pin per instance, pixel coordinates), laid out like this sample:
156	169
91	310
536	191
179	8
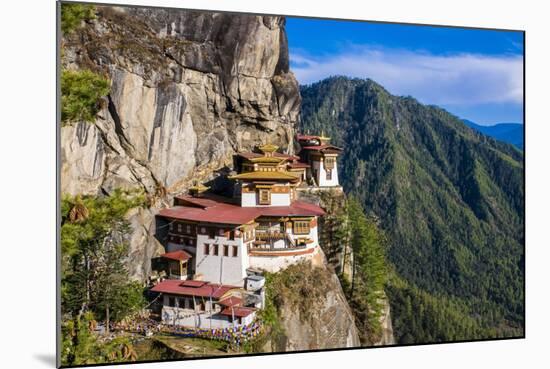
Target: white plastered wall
218	268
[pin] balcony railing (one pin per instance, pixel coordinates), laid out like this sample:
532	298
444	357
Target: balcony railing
267	236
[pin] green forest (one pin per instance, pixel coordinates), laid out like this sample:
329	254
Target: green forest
450	200
94	278
355	246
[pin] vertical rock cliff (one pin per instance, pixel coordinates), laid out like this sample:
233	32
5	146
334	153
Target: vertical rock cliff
188	89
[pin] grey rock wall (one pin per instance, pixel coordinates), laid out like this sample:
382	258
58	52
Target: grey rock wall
188	89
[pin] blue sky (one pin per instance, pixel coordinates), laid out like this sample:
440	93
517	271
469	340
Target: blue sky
474	74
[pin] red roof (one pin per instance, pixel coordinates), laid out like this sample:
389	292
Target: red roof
231	301
306	137
225	213
298	164
321	148
192	283
176	255
239	312
220	213
185	288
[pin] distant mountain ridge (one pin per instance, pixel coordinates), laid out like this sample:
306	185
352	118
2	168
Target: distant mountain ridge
450	199
507	132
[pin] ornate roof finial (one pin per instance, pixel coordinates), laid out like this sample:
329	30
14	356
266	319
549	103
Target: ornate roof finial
323	138
268	149
198	189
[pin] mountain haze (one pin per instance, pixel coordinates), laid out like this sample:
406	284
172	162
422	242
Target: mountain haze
506	132
451	201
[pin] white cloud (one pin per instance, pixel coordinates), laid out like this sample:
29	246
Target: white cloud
460	79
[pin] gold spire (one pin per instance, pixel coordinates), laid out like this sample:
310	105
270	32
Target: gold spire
268	149
323	138
198	188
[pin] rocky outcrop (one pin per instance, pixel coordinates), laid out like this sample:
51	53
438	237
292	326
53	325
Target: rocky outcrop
387	337
312	309
339	254
188	89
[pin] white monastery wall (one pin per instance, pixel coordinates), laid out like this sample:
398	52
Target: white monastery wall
205	320
277	263
321	178
219	268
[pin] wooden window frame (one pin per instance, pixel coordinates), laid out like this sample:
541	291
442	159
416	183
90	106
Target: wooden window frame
330	162
261	200
171	301
181	302
298	227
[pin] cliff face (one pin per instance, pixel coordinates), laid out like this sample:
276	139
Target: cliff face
339	255
188	89
312	309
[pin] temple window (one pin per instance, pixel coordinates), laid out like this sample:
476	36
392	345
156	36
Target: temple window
301	227
329	162
216	250
225	250
212	233
264	197
235	251
206	249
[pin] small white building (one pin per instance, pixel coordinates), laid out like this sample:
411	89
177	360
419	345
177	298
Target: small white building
203	305
322	159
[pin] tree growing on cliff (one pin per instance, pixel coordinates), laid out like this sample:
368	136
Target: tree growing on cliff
81	93
369	272
94	278
72	16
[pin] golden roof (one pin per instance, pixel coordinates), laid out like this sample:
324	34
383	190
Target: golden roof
268	148
267	159
264	175
199	188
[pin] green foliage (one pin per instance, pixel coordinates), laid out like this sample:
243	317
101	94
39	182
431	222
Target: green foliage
334	230
269	316
449	200
300	288
81	346
94	279
366	288
81	93
72	16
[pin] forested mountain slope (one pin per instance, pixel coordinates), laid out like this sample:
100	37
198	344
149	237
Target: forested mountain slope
451	201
